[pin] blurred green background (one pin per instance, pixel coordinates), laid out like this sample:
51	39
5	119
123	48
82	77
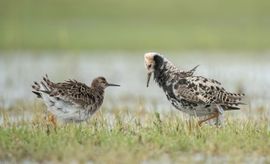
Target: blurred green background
135	25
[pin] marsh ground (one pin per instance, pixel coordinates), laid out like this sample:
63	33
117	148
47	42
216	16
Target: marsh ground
123	135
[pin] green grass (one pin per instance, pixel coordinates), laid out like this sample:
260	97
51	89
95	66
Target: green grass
135	25
132	137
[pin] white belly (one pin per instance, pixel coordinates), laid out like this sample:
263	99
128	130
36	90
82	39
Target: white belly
70	113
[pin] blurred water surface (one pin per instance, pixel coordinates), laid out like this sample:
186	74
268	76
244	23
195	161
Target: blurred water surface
237	72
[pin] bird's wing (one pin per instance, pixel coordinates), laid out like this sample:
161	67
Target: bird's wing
72	91
183	92
198	89
188	90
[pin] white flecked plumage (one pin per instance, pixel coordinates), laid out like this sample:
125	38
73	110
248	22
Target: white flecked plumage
195	95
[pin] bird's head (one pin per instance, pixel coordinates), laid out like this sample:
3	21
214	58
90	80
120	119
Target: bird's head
153	61
101	82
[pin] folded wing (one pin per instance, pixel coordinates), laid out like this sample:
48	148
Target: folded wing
205	91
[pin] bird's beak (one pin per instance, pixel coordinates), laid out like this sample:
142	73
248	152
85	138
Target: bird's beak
113	85
148	78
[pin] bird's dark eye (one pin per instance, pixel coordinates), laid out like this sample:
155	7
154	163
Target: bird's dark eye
149	66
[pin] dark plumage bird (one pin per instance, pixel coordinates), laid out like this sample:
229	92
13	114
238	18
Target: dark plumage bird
195	95
71	101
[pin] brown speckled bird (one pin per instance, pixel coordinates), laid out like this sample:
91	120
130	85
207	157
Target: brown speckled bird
71	101
195	95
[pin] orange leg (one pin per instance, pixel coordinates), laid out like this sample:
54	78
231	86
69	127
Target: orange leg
215	115
52	119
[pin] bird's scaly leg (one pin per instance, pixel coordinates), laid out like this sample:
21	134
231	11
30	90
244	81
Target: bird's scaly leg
214	115
52	119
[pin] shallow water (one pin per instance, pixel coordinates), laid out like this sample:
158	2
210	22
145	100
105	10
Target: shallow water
237	72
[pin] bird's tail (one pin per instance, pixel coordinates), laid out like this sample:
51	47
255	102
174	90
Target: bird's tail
44	86
230	101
